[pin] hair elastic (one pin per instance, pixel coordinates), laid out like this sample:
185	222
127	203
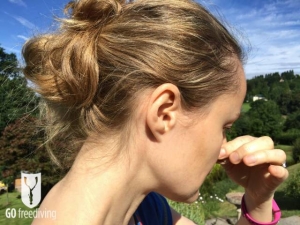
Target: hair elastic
275	209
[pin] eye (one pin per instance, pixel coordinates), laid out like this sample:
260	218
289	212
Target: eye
226	130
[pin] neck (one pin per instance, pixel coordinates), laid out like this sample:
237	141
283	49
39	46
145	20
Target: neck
98	193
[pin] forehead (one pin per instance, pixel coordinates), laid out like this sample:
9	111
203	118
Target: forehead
242	82
239	75
230	102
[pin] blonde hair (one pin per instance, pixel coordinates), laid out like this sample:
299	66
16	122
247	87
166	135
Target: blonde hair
107	51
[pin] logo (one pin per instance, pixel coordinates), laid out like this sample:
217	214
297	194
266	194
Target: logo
31	189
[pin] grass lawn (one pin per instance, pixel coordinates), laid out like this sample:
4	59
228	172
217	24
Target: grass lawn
226	210
193	211
286	148
15	203
246	107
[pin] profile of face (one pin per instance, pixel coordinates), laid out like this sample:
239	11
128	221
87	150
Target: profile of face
186	153
164	81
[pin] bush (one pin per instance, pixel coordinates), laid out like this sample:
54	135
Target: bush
288	137
292	121
223	187
214	189
216	174
212	200
292	188
289	160
296	151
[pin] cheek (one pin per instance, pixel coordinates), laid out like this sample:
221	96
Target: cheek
209	157
213	145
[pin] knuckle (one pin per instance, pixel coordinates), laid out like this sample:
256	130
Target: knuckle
268	141
243	140
281	154
267	155
248	138
247	148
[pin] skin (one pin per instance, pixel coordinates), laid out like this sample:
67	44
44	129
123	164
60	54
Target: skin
169	151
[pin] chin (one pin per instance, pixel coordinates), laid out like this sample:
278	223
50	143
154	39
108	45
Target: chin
188	198
193	197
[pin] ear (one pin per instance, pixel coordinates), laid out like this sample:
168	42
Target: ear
163	110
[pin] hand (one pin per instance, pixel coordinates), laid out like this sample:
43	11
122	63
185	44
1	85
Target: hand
254	164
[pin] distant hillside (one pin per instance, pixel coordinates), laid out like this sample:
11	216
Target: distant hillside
282	88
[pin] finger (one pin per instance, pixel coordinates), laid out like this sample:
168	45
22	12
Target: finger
278	173
274	177
228	147
258	144
274	157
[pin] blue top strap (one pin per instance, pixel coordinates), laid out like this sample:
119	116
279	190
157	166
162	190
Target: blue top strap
154	210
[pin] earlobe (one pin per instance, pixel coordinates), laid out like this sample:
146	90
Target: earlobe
163	110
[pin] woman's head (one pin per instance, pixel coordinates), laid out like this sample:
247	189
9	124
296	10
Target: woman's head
107	53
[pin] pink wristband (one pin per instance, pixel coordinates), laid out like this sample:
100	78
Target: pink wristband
275	209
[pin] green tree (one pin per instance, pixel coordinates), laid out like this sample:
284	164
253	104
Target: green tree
289	102
276	91
265	118
15	97
240	127
257	86
294	104
296	150
295	83
272	78
21	148
288	75
283	102
8	64
288	137
292	121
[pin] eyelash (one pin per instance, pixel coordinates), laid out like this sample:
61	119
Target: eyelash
226	130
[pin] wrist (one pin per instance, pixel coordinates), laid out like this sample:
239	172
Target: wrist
258	205
265	213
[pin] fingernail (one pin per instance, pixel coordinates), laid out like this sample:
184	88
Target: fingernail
235	157
251	159
222	153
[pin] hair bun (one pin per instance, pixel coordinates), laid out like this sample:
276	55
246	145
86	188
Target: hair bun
91	13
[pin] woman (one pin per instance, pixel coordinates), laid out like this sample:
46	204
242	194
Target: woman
143	92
